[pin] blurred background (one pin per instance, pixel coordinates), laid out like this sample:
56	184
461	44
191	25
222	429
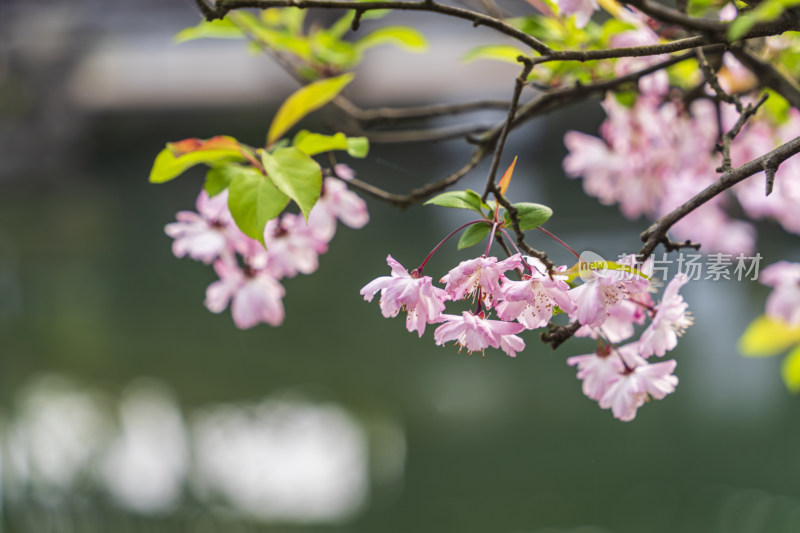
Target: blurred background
126	406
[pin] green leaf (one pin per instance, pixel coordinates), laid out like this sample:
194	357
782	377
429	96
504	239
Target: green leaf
530	215
316	143
254	201
626	98
474	234
215	29
330	50
304	101
506	53
766	336
741	25
178	157
296	175
790	370
777	107
357	147
459	199
401	36
218	178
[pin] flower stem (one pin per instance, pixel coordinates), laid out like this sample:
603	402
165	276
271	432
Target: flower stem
559	241
527	265
418	270
491	238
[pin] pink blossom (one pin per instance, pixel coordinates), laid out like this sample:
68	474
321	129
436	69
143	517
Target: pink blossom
582	9
598	370
669	321
483	273
254	296
619	323
422	301
292	247
632	389
476	333
783	303
755	139
653	84
647	162
344	171
337	202
204	235
532	300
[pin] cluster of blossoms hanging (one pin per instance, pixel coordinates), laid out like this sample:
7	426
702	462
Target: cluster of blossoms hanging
250	274
611	301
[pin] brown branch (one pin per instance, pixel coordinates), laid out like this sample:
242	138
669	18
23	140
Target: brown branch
718	29
633	51
770	161
424	135
389	114
406	200
513	214
556	334
559	97
730	135
770	77
222	7
519	84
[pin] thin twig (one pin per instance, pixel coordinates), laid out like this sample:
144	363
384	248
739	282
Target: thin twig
425	135
390	114
519	84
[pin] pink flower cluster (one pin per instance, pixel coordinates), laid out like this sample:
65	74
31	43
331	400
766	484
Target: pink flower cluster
654	155
757	138
249	274
783	302
608	306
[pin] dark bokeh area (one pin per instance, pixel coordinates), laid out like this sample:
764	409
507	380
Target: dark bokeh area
126	406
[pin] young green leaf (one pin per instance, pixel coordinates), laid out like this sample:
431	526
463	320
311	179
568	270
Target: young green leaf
530	215
316	143
254	201
357	147
178	157
474	234
218	178
459	199
765	337
790	370
296	175
215	29
304	101
401	36
505	53
330	50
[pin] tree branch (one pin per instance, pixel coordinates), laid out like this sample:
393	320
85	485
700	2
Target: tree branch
222	7
770	77
389	114
770	161
519	84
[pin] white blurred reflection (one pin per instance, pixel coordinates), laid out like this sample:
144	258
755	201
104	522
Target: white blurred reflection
56	430
283	460
145	466
280	460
